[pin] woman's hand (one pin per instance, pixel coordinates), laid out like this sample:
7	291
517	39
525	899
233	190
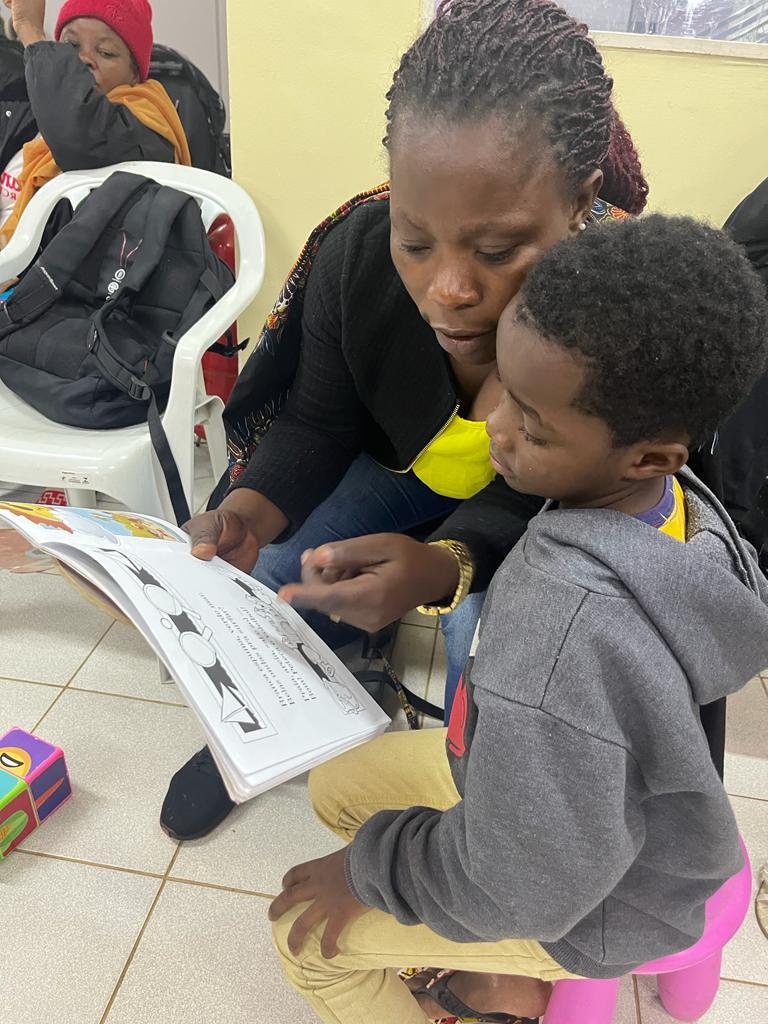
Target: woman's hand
236	531
323	884
28	18
370	581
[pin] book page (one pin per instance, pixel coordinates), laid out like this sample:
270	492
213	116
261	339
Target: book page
45	524
271	697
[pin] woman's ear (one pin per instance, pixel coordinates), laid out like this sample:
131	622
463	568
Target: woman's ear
584	199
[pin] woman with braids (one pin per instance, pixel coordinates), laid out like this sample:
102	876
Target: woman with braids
503	140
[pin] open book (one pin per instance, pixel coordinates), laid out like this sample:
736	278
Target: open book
272	698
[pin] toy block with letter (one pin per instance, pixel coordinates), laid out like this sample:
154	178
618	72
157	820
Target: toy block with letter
40	765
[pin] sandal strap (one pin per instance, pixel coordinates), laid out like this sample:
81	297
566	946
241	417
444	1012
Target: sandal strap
438	990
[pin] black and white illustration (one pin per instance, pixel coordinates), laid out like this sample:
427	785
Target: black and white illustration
291	639
194	639
271	698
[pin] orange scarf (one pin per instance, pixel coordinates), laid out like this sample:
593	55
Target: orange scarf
150	103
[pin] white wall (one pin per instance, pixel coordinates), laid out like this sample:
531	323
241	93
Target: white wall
196	28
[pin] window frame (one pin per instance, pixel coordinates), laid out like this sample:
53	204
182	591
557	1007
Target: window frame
657	43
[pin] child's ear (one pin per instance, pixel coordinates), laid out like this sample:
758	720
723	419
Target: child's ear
658	458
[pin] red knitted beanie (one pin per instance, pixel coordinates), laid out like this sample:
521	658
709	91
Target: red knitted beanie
130	19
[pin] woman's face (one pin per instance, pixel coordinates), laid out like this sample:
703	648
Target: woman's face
103	51
471	213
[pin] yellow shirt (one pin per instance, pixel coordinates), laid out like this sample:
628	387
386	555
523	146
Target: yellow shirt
457	464
674	521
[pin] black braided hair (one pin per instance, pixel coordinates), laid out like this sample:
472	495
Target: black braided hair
531	64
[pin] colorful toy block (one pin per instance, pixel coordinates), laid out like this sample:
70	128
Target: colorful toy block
33	782
17	812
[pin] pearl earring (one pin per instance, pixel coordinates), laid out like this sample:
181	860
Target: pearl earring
583	226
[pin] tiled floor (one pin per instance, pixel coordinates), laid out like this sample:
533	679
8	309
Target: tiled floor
123	926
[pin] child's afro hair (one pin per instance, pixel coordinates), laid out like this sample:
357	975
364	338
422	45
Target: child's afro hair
669	316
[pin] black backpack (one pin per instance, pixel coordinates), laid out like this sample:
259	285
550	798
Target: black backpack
88	336
200	109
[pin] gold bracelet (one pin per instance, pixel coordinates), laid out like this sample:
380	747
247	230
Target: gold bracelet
466	574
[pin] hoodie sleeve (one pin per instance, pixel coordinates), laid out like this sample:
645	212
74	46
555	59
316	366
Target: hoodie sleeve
544	831
82	128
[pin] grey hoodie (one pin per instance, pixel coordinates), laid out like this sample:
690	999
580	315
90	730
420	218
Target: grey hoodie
591	816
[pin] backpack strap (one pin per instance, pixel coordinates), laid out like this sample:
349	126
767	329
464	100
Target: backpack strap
116	371
210	288
167	462
166	204
38	291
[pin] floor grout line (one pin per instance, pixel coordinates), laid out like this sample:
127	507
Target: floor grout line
53	703
129	696
90	654
32	682
743	796
421	625
743	981
431	664
139	937
57	698
91	863
636	990
220	887
161	875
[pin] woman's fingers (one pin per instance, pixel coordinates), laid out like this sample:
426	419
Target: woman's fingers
204	533
223	533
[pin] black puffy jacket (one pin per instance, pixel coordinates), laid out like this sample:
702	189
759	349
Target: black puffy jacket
17	120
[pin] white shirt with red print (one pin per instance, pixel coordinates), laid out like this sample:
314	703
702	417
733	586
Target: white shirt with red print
10	186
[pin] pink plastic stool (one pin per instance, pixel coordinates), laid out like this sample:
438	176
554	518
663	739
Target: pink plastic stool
688	981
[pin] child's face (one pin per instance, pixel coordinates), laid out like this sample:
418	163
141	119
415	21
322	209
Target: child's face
103	51
540	443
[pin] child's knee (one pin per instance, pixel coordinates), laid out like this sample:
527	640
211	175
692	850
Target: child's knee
326	783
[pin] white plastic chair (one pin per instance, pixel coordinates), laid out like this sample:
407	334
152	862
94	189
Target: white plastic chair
35	451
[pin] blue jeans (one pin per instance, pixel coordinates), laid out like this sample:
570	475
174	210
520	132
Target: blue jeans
371	499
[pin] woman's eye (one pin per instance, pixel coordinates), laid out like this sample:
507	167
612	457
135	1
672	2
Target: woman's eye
497	257
405	247
531	439
107	55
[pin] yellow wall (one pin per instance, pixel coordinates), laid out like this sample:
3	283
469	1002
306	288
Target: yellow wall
308	79
700	122
307	86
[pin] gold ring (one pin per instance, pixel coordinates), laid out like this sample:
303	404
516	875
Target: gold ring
335	618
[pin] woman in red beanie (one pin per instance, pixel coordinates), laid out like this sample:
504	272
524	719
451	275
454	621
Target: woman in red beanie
91	98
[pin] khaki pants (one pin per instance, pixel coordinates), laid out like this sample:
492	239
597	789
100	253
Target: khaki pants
398	770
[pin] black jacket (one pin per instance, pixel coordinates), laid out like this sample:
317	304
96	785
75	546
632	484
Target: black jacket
82	128
373	379
739	464
17	121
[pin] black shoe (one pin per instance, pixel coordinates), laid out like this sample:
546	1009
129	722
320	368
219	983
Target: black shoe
197	799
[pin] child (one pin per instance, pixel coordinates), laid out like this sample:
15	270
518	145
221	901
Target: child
90	95
578	826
